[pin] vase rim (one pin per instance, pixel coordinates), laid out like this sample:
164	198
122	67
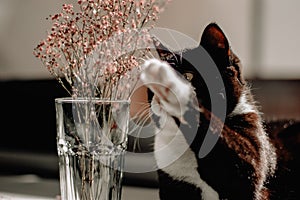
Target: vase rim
84	99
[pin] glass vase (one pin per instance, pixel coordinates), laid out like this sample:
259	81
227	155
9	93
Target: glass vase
91	143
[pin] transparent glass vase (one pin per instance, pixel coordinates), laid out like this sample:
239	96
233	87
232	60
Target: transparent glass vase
91	143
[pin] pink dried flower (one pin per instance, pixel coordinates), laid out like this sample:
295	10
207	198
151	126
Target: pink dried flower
98	44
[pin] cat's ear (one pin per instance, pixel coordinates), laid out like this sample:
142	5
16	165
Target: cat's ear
214	41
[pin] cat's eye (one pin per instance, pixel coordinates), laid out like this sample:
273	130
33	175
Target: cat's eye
188	76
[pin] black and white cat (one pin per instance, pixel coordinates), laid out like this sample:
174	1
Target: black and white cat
243	160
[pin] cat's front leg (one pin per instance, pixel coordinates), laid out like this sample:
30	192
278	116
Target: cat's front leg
172	93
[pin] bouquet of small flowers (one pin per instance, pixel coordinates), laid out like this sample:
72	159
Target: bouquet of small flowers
93	47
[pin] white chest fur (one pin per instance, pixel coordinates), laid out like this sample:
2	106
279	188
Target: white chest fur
174	157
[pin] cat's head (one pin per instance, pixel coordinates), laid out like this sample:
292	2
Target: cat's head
216	44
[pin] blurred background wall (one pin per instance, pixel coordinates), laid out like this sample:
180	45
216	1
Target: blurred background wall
264	33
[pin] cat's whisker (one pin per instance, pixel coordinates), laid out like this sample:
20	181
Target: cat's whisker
140	124
142	117
138	131
142	107
136	144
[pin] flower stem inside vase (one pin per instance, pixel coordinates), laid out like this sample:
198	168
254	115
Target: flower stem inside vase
91	141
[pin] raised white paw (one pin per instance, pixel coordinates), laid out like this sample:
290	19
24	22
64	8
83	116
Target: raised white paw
172	93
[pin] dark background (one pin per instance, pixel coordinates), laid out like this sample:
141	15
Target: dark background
28	124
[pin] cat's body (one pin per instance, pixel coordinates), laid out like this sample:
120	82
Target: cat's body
243	159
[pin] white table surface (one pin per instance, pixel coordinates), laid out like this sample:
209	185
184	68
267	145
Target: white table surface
31	187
